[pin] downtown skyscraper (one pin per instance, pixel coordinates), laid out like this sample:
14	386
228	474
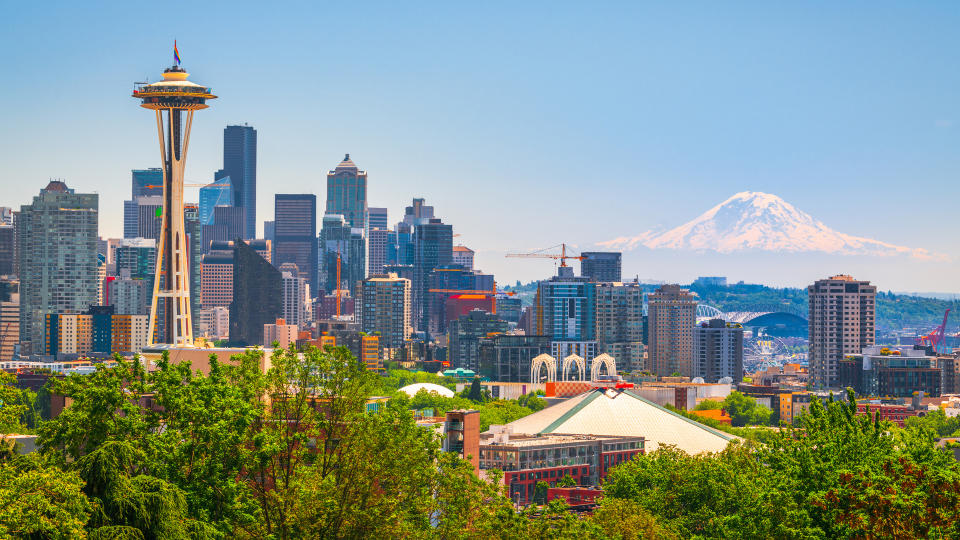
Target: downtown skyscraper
295	234
240	164
347	193
57	235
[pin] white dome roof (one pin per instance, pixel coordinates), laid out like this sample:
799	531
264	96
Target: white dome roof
412	389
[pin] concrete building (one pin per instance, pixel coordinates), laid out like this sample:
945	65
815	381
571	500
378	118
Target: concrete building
129	296
383	307
279	332
377	250
57	237
718	351
295	234
377	218
565	311
214	323
216	279
97	331
842	315
620	323
463	256
601	265
527	460
672	314
464	337
297	304
9	318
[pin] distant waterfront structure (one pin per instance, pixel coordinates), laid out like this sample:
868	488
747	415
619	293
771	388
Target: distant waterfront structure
601	265
671	319
711	281
347	193
383	307
57	236
842	321
240	164
174	100
295	234
718	351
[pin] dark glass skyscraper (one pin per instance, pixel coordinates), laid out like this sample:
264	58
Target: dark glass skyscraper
240	164
432	248
147	182
295	234
601	265
257	295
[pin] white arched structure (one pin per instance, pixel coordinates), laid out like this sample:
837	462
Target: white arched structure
538	363
581	366
602	360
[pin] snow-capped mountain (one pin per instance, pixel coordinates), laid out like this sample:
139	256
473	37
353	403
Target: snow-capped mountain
751	220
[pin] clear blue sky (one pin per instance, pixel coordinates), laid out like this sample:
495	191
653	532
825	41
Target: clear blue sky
525	124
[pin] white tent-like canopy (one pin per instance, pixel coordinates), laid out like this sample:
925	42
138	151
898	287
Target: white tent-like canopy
412	389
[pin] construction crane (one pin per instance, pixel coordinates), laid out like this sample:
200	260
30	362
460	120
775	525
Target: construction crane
539	254
338	284
936	337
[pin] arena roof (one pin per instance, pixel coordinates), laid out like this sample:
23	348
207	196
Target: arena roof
623	413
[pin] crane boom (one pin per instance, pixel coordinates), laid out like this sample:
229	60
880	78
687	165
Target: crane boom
562	256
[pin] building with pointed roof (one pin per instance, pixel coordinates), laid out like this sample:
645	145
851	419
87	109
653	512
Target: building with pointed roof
619	412
347	193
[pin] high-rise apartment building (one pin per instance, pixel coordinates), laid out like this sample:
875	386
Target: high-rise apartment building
601	265
620	323
347	193
9	317
295	234
377	250
98	331
146	183
672	315
565	311
257	295
465	334
217	193
432	248
384	306
297	305
57	235
463	256
841	319
718	351
8	243
339	240
240	164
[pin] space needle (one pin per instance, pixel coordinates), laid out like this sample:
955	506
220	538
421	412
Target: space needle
174	99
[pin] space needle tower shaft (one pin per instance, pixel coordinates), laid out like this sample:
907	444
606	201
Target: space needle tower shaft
174	100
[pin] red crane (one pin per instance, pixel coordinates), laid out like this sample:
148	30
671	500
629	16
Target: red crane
935	338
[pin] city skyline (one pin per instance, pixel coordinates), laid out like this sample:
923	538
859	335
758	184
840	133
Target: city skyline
650	116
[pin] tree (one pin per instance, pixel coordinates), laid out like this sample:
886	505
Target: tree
476	391
744	410
567	481
540	492
38	501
